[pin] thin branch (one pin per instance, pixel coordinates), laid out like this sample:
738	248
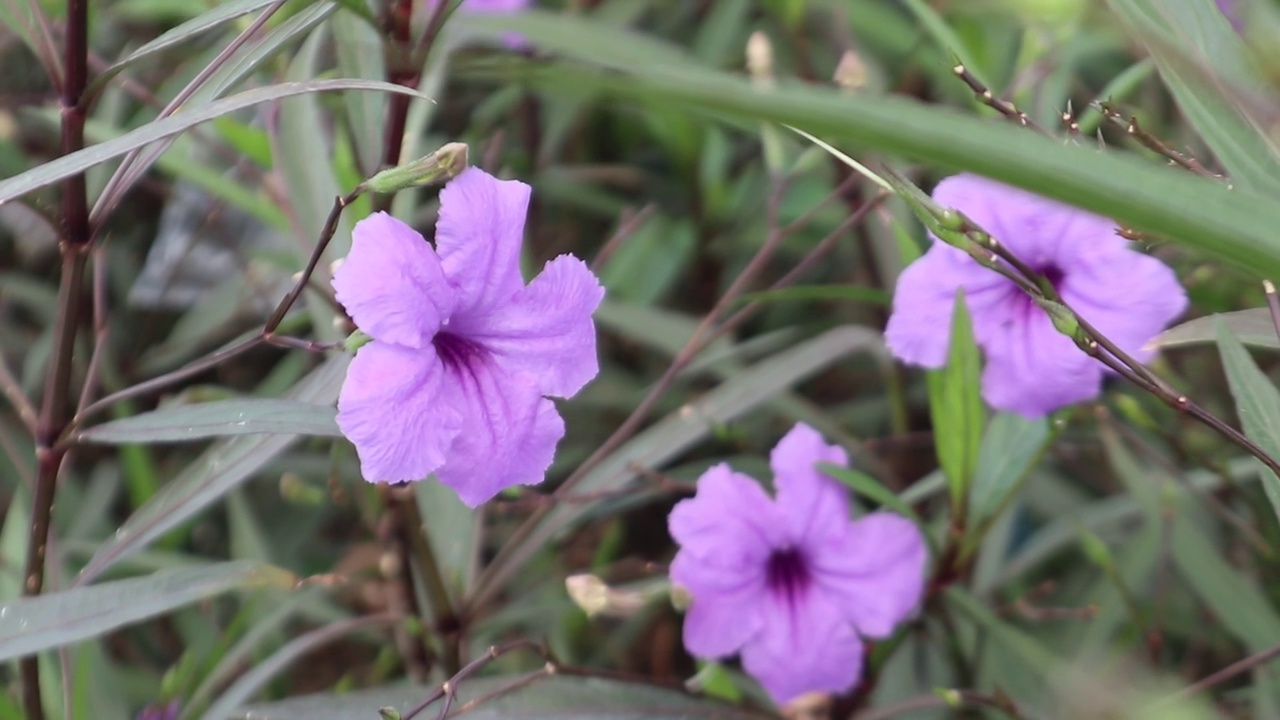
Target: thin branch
52	418
100	328
628	224
1153	143
988	98
161	382
1097	345
952	699
449	689
1236	668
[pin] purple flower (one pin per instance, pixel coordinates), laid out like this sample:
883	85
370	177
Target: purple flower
1031	368
463	354
792	583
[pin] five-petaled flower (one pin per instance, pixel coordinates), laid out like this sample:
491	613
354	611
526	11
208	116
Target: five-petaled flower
464	354
792	583
1031	368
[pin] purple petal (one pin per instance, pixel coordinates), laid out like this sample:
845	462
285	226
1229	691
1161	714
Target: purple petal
392	284
730	523
494	6
1038	230
509	431
919	329
726	533
874	573
390	409
726	603
815	506
478	237
1129	300
1032	369
803	649
546	330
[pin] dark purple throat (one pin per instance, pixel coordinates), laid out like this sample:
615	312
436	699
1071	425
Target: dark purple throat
787	572
456	351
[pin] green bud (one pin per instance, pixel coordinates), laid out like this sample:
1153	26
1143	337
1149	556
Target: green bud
1064	321
951	219
680	598
356	340
388	713
439	166
295	490
1096	550
1128	407
952	698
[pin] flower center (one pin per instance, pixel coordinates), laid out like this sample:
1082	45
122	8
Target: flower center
456	351
1053	274
1024	307
787	572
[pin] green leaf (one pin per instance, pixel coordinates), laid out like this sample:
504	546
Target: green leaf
81	160
30	625
249	683
685	428
1229	225
216	17
955	406
945	37
1257	404
248	416
553	697
1253	327
1010	449
212	475
872	489
1200	57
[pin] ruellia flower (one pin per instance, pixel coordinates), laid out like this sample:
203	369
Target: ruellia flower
463	354
791	583
1031	368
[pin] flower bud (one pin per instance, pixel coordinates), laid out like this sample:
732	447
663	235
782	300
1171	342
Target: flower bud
851	73
760	59
356	340
1064	321
439	166
596	597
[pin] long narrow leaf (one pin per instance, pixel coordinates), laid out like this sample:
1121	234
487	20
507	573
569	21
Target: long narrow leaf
955	406
1257	404
30	625
196	26
211	476
247	416
79	161
1230	225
